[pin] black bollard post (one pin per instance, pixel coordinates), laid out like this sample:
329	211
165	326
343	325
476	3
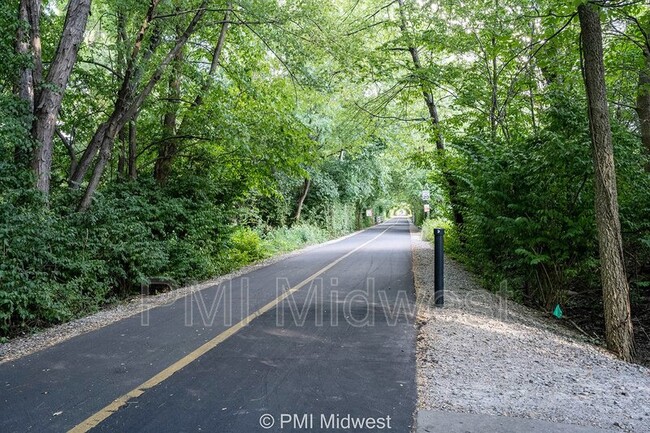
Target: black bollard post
439	267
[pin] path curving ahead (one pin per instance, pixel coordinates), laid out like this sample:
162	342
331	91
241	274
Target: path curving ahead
321	341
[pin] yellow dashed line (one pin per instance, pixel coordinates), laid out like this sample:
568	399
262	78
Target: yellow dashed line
95	419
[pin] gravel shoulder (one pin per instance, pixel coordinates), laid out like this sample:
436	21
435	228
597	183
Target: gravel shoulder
484	354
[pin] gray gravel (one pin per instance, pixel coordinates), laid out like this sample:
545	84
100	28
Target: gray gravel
484	354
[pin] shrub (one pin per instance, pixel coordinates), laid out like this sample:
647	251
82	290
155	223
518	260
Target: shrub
285	239
58	264
451	242
246	247
529	208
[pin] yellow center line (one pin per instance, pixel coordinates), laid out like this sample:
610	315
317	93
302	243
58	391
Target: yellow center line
95	419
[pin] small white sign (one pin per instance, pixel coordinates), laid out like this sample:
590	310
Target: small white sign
368	212
426	195
427	208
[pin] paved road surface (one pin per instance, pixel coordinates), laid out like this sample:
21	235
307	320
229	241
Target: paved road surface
317	342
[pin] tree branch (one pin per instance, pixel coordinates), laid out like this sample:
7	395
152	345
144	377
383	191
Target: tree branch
401	119
103	66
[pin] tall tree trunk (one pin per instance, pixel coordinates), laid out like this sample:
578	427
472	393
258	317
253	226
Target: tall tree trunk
616	297
434	119
121	61
216	55
48	100
493	77
301	199
169	146
494	92
122	41
133	147
130	82
530	70
28	44
121	160
426	91
130	105
643	103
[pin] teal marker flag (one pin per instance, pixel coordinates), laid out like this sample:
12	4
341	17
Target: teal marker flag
558	311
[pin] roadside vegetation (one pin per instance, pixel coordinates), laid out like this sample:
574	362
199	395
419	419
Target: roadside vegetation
184	139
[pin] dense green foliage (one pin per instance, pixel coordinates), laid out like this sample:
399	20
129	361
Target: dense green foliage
312	113
529	209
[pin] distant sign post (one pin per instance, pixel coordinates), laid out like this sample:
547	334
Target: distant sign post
368	212
426	196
